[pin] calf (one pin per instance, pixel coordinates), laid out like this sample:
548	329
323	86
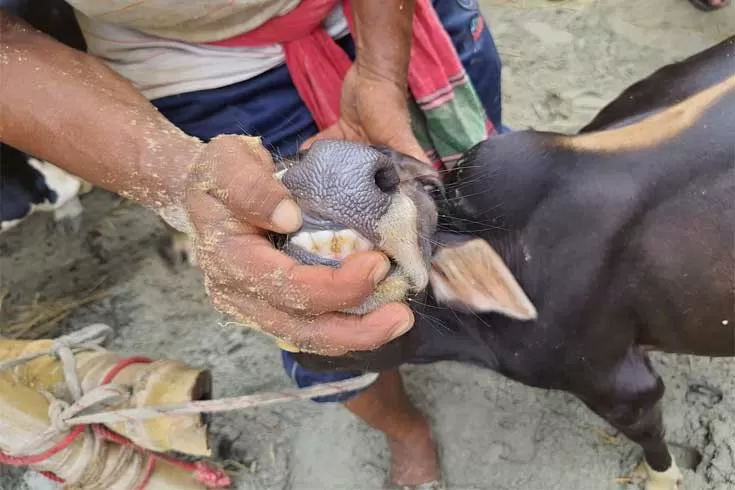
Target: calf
28	185
556	260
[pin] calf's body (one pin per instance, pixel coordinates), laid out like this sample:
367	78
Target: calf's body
622	236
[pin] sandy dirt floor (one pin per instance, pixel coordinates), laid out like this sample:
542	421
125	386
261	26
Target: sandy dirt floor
562	62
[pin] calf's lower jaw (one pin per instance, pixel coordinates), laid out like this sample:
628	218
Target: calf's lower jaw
392	289
399	239
395	233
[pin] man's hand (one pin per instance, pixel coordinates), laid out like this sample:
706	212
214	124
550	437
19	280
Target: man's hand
374	103
232	199
374	109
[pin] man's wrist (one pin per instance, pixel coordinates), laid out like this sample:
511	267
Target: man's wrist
380	76
185	155
180	156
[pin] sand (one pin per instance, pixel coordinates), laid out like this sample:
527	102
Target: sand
562	62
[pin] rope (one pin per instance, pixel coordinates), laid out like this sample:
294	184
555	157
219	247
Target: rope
225	404
86	410
63	348
94	453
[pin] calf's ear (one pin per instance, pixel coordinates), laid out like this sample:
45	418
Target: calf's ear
466	273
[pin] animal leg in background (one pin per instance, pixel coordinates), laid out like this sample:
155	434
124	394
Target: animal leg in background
177	248
629	398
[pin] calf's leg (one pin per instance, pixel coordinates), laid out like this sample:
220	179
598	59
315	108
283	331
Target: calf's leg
177	248
68	217
629	398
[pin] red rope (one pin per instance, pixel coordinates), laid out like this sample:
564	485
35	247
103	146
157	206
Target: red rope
37	458
52	477
202	472
150	465
206	474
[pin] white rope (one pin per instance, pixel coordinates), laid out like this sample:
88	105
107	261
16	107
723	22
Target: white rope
64	416
88	408
90	463
225	404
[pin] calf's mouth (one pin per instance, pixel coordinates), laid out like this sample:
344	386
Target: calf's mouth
325	242
355	198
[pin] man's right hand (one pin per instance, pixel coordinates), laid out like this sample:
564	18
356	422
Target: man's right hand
232	199
66	107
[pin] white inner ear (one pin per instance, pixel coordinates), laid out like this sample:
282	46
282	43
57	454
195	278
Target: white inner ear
473	275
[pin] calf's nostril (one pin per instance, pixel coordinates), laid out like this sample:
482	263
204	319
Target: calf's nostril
387	179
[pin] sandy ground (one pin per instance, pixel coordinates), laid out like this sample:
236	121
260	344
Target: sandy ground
563	61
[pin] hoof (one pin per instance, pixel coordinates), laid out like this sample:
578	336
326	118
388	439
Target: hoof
66	226
177	251
231	449
68	217
651	479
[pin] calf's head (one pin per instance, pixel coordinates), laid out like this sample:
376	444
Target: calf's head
357	197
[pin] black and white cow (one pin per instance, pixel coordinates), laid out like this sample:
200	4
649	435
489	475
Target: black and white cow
29	185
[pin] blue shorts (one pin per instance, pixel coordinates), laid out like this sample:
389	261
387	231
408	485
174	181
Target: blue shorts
269	106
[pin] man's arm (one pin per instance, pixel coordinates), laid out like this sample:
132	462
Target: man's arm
374	105
383	31
64	106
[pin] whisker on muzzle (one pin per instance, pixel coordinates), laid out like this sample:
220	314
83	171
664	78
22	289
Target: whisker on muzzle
439	326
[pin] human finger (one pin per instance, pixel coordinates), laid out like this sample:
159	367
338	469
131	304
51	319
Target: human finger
331	334
242	255
239	172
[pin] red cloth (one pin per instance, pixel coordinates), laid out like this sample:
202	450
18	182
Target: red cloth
317	65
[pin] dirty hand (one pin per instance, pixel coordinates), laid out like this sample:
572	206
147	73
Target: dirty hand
374	109
233	199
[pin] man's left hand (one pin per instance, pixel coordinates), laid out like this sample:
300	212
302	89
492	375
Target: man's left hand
374	110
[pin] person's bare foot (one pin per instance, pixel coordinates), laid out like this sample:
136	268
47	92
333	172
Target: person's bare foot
386	407
414	458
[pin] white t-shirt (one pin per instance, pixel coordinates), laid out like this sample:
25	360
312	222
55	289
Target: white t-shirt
155	43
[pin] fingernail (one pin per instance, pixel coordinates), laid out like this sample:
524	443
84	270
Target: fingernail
287	346
287	216
403	326
380	271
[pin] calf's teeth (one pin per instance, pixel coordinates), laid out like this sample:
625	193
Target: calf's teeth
323	243
344	243
362	244
303	240
330	244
